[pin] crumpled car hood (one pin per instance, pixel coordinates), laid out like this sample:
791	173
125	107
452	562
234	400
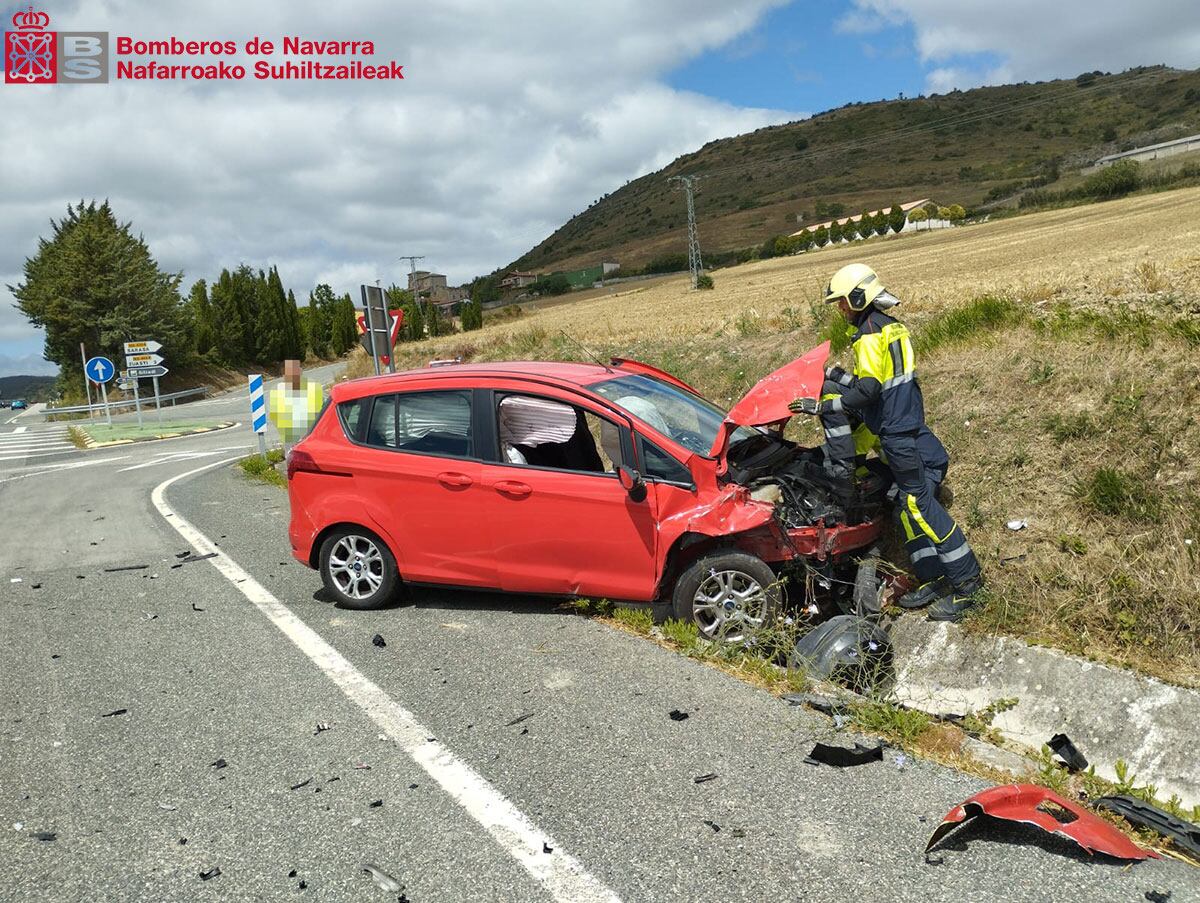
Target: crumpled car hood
768	401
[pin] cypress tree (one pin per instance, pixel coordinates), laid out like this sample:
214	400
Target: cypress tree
227	312
203	328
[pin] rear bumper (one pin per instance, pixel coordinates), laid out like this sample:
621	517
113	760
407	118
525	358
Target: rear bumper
301	535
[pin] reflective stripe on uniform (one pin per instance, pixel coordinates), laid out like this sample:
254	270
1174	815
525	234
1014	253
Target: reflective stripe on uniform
898	380
926	552
839	431
961	552
924	525
909	533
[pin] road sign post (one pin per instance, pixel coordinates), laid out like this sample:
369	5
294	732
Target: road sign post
141	361
157	401
100	370
137	402
87	383
258	413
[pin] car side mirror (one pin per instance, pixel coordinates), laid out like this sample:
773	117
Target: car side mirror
632	482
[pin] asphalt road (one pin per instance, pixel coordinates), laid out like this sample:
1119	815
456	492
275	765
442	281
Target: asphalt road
209	671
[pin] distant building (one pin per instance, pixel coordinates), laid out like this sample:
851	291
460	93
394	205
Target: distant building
515	279
431	288
911	205
1153	151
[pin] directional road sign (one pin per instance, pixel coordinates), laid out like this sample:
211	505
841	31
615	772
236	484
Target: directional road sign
397	318
147	372
99	370
142	347
258	405
143	360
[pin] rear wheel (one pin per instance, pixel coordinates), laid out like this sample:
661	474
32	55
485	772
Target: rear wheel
358	569
729	596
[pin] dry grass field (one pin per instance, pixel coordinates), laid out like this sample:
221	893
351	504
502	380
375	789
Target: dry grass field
1057	352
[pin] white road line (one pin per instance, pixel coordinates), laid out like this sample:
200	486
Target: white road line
563	876
20	429
55	468
26	456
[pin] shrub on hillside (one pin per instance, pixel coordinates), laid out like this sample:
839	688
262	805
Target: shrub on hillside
1113	181
704	281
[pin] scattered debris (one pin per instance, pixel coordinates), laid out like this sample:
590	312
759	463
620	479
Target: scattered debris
1043	809
128	567
292	873
192	558
362	766
901	761
151	616
852	651
705	778
841	757
1061	745
45	835
17	826
210	873
379	641
301	784
1016	525
184	554
520	718
413	786
303	884
677	715
196	607
323	726
382	879
1020	557
167	807
115	712
375	804
14	580
823	704
737	832
546	848
712	824
182	841
355	822
1156	897
35	586
1184	835
220	763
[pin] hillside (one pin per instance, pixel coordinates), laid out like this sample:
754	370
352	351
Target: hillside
30	388
962	147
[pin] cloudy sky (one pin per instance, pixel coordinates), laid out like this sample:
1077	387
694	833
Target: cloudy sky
513	115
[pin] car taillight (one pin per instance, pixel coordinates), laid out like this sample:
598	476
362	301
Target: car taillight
299	460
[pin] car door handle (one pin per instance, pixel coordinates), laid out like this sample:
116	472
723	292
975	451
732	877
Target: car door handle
512	487
450	479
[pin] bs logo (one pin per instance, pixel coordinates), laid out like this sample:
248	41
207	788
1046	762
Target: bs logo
34	56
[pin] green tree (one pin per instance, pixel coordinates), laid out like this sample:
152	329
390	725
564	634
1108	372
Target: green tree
864	225
204	335
343	326
895	218
943	213
957	213
486	289
93	281
301	337
879	222
322	305
769	247
821	237
1113	181
472	315
554	284
231	329
917	216
931	209
805	241
835	232
269	338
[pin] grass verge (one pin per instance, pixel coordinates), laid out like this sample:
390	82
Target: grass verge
263	470
77	436
103	434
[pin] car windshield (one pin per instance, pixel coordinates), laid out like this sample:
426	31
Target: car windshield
683	416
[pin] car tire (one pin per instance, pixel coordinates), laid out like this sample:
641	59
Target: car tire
358	569
727	595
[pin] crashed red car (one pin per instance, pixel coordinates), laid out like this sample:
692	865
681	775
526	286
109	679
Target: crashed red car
573	479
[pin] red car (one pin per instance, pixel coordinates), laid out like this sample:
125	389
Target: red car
571	479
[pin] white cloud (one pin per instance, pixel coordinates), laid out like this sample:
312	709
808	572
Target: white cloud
510	119
1035	40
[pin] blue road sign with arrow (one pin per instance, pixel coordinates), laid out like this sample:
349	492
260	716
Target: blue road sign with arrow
99	369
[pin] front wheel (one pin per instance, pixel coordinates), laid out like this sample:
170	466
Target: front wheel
729	596
358	569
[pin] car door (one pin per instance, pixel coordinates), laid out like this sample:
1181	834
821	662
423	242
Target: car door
562	523
419	464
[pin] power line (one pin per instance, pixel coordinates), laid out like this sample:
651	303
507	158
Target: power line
695	264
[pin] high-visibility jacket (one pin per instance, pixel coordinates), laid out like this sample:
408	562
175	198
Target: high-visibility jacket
884	391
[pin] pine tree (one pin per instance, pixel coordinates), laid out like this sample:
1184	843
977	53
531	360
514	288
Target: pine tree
227	314
94	281
344	329
203	329
895	218
321	306
245	298
268	328
864	225
299	334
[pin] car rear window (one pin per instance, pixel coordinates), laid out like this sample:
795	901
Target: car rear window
431	423
351	414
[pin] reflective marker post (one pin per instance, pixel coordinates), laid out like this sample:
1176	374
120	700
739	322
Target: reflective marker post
258	413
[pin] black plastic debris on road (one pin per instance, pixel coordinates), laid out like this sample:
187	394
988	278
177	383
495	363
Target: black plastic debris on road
520	718
677	715
115	712
1155	896
705	778
196	607
302	784
192	558
208	874
841	757
375	804
184	554
322	726
379	641
1061	745
1183	834
546	848
712	824
46	835
220	763
128	567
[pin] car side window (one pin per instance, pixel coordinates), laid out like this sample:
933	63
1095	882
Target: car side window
428	423
351	415
658	465
542	432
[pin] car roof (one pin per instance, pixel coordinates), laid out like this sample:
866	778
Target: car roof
566	373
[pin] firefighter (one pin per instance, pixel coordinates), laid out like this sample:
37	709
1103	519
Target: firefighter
885	393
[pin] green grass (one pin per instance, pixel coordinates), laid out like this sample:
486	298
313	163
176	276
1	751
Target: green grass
905	725
77	436
639	620
1120	494
264	471
149	429
1064	427
959	324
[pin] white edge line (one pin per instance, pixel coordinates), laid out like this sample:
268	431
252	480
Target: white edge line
563	876
55	468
